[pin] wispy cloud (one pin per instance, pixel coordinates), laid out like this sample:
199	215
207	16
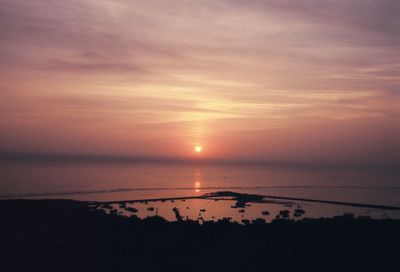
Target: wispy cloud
180	72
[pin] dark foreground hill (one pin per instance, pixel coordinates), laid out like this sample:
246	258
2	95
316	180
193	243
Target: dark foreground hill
62	235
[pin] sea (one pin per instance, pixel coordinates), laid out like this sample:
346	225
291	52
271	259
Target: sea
105	181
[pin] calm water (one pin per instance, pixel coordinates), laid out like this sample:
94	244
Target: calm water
206	210
120	181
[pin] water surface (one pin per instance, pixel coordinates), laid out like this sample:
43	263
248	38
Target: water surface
118	181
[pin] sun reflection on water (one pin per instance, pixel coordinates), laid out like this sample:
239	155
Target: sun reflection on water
197	177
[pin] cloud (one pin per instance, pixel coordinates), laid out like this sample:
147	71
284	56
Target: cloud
95	66
187	71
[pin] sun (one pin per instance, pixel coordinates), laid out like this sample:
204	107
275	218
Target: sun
198	148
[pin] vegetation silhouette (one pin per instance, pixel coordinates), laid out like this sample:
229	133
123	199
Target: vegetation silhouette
64	235
299	212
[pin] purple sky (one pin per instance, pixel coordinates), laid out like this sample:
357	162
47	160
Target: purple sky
245	79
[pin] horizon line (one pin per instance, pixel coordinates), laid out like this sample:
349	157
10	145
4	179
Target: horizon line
15	156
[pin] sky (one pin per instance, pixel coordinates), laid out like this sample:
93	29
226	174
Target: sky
245	79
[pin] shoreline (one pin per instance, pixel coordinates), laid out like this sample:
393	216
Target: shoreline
255	198
232	206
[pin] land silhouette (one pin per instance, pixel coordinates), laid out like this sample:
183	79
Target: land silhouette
67	235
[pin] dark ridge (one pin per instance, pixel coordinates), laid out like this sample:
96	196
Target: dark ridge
116	190
242	199
353	204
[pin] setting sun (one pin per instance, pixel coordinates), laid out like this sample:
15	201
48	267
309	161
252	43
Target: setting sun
198	148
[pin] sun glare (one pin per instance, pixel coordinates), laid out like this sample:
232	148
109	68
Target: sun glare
198	148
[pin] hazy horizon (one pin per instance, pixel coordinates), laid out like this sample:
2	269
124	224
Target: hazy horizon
7	157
